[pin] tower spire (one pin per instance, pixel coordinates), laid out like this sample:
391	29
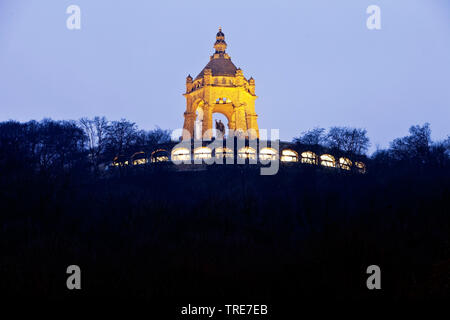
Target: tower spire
220	45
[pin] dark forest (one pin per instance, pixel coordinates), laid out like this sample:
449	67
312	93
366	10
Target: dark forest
224	232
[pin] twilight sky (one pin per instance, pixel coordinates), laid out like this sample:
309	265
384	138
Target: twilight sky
314	61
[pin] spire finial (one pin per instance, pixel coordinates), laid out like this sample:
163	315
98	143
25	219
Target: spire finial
220	44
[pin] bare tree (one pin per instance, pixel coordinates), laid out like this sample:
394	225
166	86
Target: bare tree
351	140
415	146
149	139
96	132
56	145
314	136
121	137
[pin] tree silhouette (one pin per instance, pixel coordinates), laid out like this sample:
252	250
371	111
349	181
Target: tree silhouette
350	140
314	136
415	146
96	131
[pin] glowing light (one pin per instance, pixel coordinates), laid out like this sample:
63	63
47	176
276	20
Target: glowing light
268	154
159	155
345	163
247	153
202	153
139	161
120	161
309	157
288	155
327	160
224	153
138	158
361	166
181	154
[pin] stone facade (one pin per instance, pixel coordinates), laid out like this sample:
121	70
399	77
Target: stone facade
220	88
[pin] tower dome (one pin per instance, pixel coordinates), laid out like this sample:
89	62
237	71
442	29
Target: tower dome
220	88
220	62
220	33
220	44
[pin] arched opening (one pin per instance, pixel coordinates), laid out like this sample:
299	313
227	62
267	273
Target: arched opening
247	153
288	155
266	154
361	167
198	125
181	154
120	161
327	160
219	118
159	155
202	153
139	158
345	163
224	153
309	157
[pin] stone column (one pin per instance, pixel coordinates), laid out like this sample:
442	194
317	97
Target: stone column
189	119
207	122
253	131
241	122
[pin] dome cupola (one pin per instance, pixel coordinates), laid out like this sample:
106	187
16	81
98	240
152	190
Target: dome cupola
220	62
220	44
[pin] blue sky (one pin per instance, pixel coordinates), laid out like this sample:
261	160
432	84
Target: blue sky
315	63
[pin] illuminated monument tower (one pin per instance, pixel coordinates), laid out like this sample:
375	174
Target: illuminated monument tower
220	88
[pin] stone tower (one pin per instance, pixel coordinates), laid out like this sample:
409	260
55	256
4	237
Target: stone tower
220	88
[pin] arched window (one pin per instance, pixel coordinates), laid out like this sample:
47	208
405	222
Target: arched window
223	100
327	160
288	155
247	153
224	81
202	153
309	157
181	154
224	152
120	161
345	163
360	166
139	158
159	155
216	81
268	154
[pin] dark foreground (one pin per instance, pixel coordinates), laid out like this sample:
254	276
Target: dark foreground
227	233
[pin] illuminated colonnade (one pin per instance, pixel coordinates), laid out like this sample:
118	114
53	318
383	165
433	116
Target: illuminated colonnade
287	155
